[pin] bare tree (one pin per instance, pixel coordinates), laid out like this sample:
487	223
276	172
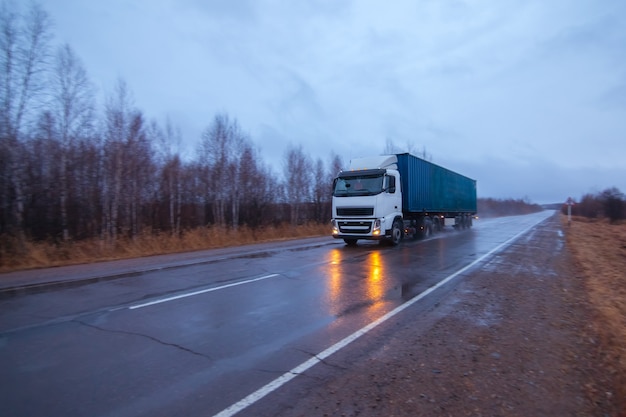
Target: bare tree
323	186
218	152
241	147
391	148
214	159
123	130
256	187
614	204
72	104
424	154
87	175
335	165
297	172
139	171
261	191
24	41
168	143
321	191
590	206
40	159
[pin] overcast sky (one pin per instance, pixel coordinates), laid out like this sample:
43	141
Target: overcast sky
527	97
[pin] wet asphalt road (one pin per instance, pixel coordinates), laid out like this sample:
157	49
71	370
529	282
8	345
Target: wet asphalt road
194	337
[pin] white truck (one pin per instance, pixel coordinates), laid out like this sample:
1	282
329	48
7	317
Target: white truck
391	196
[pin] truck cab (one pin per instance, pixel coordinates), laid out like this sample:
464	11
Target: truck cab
367	203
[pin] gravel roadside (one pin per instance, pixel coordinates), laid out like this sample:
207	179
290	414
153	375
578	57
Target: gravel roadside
511	338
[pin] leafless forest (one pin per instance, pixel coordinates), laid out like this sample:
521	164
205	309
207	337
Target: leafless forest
72	171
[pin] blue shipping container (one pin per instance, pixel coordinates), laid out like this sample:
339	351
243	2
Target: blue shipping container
427	187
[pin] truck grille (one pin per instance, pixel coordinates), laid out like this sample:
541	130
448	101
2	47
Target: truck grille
355	211
354	228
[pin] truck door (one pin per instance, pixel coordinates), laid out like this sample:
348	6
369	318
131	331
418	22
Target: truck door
392	197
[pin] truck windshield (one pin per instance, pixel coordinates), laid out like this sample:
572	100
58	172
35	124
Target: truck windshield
354	185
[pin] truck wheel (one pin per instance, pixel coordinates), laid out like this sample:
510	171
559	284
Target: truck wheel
350	242
396	233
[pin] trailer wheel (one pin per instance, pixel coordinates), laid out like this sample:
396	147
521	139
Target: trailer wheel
437	225
350	242
396	233
427	228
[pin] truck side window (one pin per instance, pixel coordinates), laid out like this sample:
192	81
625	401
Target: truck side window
340	185
391	184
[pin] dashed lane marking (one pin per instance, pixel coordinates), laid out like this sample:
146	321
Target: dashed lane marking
191	294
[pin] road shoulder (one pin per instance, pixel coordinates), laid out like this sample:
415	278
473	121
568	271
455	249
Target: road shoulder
511	338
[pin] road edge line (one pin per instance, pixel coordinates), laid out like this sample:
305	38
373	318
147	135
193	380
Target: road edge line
289	375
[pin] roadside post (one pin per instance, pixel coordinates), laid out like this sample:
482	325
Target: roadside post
570	203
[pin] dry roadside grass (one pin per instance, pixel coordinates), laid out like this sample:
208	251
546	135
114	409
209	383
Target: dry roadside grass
599	249
44	254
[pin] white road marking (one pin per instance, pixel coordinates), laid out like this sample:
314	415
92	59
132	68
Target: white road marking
191	294
288	376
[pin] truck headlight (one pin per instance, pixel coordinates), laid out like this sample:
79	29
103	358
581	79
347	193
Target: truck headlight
376	227
334	226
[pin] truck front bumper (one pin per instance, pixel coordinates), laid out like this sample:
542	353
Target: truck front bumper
357	229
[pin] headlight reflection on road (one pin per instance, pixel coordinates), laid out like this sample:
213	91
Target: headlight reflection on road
335	274
375	281
345	291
